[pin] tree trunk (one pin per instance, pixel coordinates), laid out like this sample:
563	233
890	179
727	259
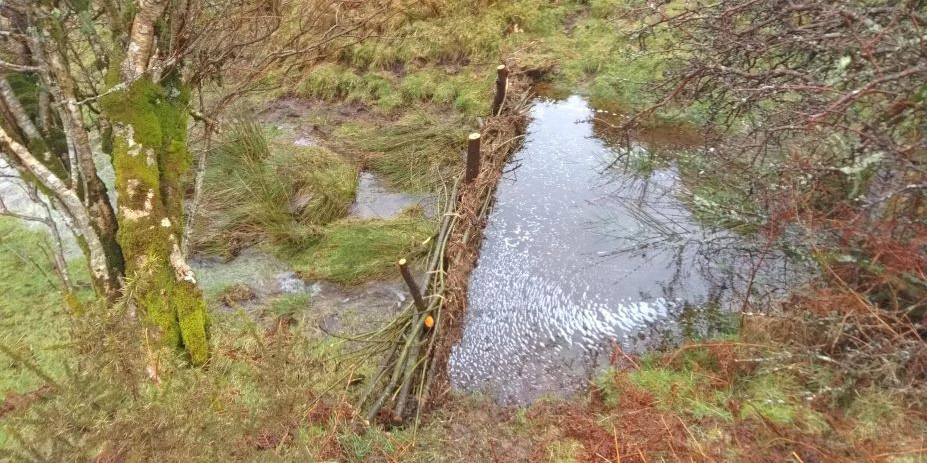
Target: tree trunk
150	158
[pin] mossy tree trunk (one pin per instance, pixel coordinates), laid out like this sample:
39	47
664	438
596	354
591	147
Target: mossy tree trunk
140	115
129	106
151	159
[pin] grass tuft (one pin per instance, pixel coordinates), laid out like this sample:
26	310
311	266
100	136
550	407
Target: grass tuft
355	250
256	190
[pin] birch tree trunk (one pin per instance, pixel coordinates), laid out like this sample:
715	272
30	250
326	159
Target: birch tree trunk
145	105
151	159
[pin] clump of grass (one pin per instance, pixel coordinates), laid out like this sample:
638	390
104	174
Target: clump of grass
876	411
681	391
355	250
288	305
415	152
775	397
255	190
564	451
466	90
699	384
328	81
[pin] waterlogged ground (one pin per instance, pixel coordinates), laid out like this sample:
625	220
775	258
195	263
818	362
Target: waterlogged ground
269	281
580	254
375	200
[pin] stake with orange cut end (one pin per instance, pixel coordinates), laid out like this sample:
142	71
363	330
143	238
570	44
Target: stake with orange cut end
413	286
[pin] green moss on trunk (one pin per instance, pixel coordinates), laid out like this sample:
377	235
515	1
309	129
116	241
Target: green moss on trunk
151	160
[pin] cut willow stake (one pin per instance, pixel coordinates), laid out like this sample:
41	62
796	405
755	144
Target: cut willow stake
473	157
413	287
502	74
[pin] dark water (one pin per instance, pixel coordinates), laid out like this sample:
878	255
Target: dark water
579	255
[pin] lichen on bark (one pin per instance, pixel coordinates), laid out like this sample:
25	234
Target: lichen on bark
151	160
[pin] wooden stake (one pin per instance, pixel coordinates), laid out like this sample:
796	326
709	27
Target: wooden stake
473	157
413	287
502	74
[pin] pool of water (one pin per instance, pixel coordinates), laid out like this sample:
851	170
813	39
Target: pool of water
579	256
375	200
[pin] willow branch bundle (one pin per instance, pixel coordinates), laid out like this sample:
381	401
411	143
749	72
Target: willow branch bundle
415	355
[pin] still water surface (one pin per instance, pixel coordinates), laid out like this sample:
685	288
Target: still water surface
579	255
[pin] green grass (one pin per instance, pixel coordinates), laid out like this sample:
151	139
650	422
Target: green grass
564	451
355	250
34	323
288	305
681	391
460	31
876	411
466	90
33	318
415	153
257	190
691	388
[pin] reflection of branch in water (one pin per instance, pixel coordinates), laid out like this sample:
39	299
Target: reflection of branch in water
653	228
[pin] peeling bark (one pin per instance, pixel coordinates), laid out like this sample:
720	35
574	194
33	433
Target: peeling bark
141	38
19	113
95	191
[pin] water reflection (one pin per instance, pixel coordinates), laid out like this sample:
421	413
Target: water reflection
578	256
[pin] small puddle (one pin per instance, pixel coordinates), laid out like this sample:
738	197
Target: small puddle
328	307
576	258
375	200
